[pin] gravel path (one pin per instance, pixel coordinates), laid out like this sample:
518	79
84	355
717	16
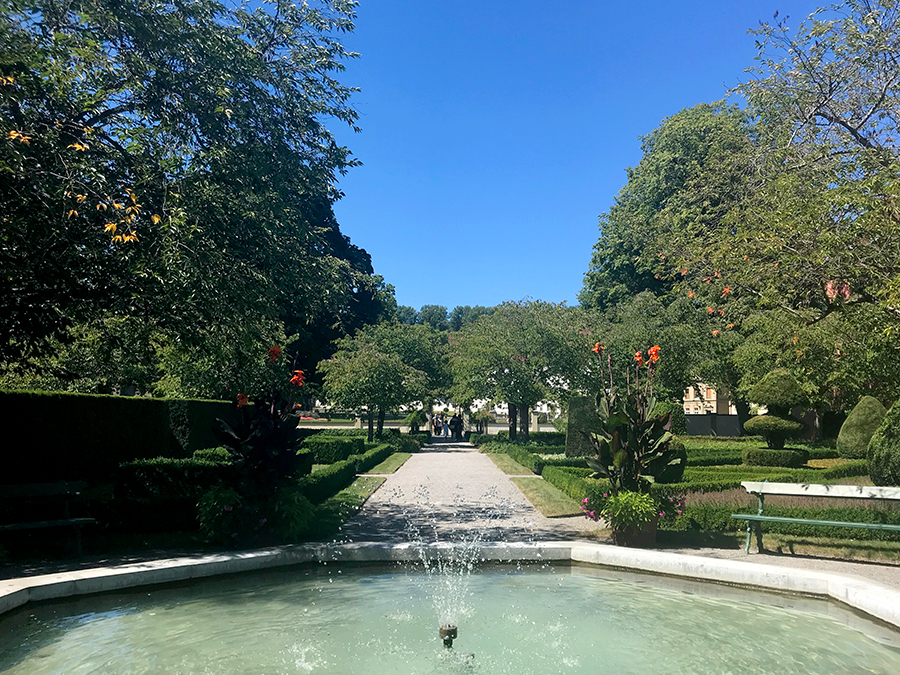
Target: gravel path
451	491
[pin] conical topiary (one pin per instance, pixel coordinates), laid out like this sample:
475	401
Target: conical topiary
857	430
884	450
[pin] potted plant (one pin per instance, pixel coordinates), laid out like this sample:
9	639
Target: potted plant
633	518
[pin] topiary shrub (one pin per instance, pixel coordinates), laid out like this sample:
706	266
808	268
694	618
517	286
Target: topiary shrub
774	429
764	457
858	428
779	392
883	455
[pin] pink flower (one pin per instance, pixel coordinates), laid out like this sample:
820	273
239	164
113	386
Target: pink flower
662	515
592	515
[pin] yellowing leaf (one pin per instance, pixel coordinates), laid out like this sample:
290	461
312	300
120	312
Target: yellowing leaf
73	212
155	219
80	198
110	227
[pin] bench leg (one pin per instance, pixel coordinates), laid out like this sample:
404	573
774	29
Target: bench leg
759	543
749	531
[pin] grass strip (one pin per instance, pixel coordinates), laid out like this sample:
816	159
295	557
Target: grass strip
550	501
509	466
391	464
335	511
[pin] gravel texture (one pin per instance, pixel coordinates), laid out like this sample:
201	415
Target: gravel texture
450	491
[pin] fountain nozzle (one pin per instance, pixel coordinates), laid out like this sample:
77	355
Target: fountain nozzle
447	632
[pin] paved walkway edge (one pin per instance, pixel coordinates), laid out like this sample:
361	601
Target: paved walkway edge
870	598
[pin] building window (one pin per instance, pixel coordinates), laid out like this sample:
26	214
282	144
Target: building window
710	394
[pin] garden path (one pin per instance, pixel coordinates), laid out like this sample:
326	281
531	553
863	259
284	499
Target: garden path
450	491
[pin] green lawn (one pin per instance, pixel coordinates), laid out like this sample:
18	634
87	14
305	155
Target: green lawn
509	466
336	510
391	464
547	499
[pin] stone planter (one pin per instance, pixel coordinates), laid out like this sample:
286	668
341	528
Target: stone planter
640	537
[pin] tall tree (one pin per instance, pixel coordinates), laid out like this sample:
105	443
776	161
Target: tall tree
169	163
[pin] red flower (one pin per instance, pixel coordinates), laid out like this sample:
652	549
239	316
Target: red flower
298	378
710	310
597	349
653	352
639	357
715	333
726	291
274	353
242	400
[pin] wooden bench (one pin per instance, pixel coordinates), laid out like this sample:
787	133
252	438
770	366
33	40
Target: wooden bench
55	495
761	489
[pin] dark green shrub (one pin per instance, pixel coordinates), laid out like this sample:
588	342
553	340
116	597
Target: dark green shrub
217	455
168	477
562	460
289	514
883	455
778	391
331	449
857	430
673	472
319	486
372	457
775	429
582	420
766	457
220	514
525	458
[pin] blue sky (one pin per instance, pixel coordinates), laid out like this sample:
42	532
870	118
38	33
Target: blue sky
494	133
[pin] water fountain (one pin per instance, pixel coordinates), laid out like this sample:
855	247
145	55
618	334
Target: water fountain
522	608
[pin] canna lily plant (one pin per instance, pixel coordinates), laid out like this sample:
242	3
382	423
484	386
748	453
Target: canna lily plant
632	445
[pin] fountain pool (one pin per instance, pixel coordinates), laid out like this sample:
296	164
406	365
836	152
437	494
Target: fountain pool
363	619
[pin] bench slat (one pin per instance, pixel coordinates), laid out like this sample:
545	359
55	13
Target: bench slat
809	490
805	521
77	522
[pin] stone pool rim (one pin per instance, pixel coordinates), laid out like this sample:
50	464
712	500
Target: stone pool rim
872	599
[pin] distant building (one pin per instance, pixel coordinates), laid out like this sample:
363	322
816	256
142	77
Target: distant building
701	400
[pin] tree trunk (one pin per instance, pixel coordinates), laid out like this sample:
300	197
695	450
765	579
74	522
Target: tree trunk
513	422
524	421
371	425
380	422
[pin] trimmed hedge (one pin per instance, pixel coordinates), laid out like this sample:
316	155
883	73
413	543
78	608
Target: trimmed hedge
765	457
330	480
717	518
859	427
88	436
534	438
328	449
167	477
218	455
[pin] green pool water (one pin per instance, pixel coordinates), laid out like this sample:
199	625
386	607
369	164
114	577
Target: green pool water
384	621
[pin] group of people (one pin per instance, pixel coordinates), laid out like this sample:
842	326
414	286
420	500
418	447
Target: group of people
444	426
